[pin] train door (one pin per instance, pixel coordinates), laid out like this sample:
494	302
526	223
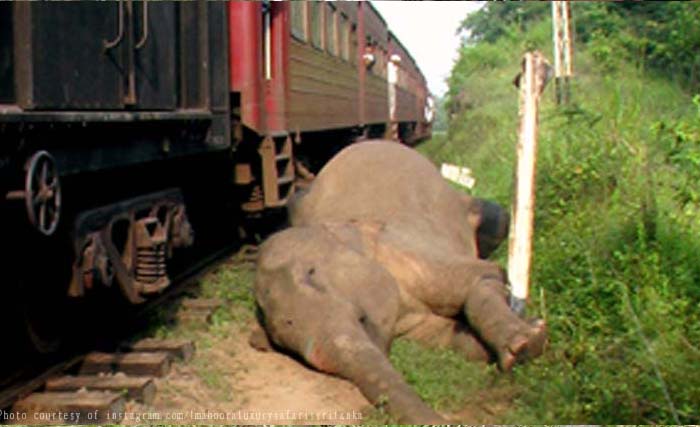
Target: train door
7	81
154	54
96	55
62	57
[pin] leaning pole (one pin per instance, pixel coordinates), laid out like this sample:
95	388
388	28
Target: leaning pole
532	80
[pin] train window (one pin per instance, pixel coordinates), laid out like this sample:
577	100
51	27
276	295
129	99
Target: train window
385	64
353	45
331	30
387	58
7	78
316	24
343	37
298	18
379	61
369	56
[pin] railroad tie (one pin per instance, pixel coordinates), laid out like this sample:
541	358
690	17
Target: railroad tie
198	311
140	389
180	349
61	408
202	304
137	364
98	393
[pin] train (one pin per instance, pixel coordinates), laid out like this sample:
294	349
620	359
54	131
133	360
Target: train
130	131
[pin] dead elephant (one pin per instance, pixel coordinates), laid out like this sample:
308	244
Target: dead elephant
381	246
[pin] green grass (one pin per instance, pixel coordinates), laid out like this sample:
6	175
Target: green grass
213	378
442	378
232	283
616	268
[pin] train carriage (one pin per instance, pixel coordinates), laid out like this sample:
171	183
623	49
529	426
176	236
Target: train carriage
103	105
126	125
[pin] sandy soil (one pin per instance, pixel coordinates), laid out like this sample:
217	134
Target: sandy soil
228	382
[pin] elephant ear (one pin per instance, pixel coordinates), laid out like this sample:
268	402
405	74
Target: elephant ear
493	228
490	224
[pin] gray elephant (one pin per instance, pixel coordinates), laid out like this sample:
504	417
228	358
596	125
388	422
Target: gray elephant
381	247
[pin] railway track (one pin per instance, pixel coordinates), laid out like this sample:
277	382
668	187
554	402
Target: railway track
128	366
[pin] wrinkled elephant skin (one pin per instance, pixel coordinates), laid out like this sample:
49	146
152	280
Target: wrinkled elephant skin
380	247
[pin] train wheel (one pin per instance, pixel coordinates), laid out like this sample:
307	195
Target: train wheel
43	307
40	274
42	331
43	193
33	324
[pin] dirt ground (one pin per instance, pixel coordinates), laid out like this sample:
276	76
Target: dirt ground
231	383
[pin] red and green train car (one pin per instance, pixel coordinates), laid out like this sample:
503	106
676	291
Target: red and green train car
127	126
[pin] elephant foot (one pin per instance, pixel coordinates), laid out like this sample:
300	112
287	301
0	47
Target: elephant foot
524	346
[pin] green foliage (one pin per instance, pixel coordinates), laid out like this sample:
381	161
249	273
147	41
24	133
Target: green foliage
616	257
442	378
661	36
489	61
440	122
680	144
498	19
233	284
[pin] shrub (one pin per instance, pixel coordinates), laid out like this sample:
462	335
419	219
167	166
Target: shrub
616	260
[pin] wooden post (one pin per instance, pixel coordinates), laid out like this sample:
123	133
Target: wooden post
563	50
568	40
532	81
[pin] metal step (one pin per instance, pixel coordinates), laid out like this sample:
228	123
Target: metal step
277	175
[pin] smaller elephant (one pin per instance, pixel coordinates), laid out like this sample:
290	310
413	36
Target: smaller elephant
381	247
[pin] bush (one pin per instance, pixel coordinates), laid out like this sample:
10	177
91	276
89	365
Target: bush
616	260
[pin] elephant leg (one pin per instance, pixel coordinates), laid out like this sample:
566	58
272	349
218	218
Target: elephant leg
477	287
467	343
444	332
512	338
335	341
355	357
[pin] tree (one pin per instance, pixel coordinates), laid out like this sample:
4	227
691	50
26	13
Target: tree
496	19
